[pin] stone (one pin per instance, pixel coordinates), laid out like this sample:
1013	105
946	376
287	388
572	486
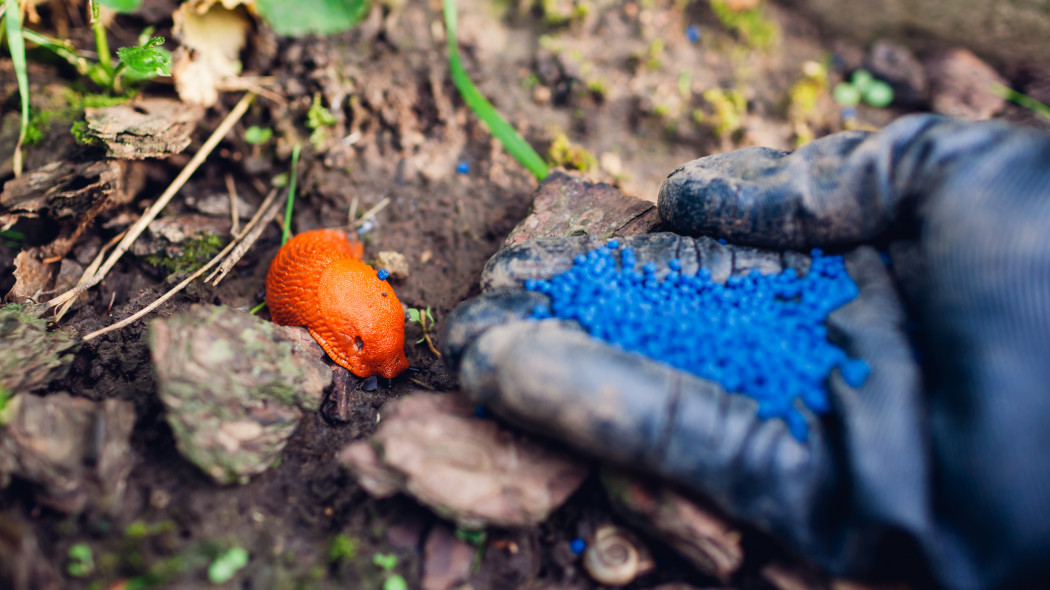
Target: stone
961	85
233	388
895	64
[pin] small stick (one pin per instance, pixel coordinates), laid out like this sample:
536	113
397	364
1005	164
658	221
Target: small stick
231	189
426	334
247	239
88	280
373	211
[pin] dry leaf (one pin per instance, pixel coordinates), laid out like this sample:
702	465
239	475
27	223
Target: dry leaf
212	36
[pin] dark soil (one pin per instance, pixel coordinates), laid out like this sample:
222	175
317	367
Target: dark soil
623	83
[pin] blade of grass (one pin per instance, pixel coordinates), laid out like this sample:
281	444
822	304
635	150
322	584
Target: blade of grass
1021	99
17	46
514	143
63	49
294	175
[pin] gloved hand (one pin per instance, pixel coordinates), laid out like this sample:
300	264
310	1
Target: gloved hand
939	457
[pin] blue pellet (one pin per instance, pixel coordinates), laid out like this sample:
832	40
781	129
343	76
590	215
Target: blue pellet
382	274
481	411
463	167
849	113
692	32
577	546
748	334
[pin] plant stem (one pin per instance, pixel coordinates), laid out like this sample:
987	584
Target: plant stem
101	43
287	233
17	46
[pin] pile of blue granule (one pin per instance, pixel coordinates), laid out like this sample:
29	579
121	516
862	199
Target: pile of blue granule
763	336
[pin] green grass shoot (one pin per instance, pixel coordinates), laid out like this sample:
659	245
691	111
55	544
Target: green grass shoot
294	175
513	142
1021	99
17	46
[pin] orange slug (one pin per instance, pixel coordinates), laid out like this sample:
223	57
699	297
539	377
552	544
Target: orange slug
318	280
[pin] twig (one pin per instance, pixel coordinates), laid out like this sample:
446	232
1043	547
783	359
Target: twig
235	222
426	334
90	279
247	239
372	212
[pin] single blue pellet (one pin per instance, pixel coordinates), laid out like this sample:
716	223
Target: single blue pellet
577	546
849	113
382	274
463	167
855	372
722	241
481	411
692	32
612	244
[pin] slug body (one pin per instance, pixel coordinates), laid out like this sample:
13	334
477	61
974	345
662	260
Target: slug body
318	280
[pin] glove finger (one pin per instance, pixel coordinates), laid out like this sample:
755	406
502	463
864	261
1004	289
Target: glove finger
472	318
842	189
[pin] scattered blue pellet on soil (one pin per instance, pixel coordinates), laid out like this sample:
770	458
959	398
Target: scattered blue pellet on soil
577	546
849	113
382	274
463	167
746	334
481	411
692	32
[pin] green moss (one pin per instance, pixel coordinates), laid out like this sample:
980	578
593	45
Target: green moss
556	13
751	25
569	155
342	548
195	252
654	56
318	119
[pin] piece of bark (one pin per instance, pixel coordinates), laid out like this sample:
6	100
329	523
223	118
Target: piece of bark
467	469
145	128
565	206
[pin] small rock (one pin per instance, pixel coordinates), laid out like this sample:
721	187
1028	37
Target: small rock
446	560
566	206
466	469
705	539
31	357
75	449
961	85
898	67
394	262
233	388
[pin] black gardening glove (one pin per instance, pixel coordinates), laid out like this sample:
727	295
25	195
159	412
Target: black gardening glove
940	455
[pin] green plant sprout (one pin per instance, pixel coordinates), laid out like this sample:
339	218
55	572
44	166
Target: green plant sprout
81	560
226	565
1021	99
729	108
387	562
863	86
570	155
477	539
751	24
426	322
512	141
256	135
318	119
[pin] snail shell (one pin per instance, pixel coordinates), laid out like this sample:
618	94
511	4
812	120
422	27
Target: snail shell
615	557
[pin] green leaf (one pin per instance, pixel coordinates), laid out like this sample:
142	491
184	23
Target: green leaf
312	16
146	61
395	582
1021	99
385	561
862	79
17	46
413	315
121	5
429	316
256	135
512	141
227	565
846	95
81	561
878	94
